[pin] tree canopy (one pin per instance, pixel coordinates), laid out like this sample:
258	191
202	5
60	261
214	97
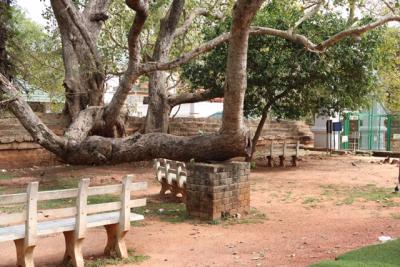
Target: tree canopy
96	134
292	81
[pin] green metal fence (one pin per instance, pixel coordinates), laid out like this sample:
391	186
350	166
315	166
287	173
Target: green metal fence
369	131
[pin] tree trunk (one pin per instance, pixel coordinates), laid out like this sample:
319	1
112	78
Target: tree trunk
80	146
258	132
236	76
157	118
84	80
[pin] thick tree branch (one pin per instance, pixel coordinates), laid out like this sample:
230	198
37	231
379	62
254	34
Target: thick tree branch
184	98
315	7
186	57
321	47
117	102
77	20
188	22
264	116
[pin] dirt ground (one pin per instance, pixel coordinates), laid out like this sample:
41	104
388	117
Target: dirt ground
325	207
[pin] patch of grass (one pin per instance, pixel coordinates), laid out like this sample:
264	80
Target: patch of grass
382	255
395	216
167	212
311	202
5	176
100	262
286	196
12	208
369	192
254	217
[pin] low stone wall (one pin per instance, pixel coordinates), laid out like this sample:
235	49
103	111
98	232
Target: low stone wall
18	150
217	190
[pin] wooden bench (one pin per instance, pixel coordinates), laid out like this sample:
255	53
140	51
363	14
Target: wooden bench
172	177
72	221
283	151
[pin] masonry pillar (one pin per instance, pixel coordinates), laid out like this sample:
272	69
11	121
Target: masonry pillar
218	190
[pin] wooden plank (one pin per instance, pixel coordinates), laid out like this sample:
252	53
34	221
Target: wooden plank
140	202
104	207
81	206
13	199
14	218
70	193
59	213
58	226
124	223
31	215
284	149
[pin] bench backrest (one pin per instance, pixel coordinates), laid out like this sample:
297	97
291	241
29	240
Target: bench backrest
165	167
284	149
80	211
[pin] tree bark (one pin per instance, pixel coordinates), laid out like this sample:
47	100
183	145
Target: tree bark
84	75
258	132
157	118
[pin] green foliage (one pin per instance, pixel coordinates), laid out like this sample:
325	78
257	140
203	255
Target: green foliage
383	255
343	77
36	55
389	69
113	39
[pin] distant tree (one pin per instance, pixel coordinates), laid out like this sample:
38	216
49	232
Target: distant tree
389	69
35	56
285	79
5	22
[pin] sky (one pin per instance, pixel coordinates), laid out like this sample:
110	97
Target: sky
33	9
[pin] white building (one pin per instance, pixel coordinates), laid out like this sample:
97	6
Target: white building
136	107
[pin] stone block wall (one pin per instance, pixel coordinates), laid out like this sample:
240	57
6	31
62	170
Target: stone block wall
217	190
17	149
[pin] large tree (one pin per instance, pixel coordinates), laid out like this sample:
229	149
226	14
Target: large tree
300	83
90	138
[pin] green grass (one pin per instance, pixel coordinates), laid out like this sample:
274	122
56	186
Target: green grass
349	195
382	255
254	217
5	176
311	202
100	262
167	212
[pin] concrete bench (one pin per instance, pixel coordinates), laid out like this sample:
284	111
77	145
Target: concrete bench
284	151
25	227
172	177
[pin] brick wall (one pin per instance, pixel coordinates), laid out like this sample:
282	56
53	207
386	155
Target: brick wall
217	190
16	143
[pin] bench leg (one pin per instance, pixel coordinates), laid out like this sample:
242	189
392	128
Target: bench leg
294	161
184	195
164	188
24	254
282	161
73	250
270	161
115	242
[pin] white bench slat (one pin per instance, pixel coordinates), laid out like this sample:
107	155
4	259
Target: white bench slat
14	218
70	193
57	226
